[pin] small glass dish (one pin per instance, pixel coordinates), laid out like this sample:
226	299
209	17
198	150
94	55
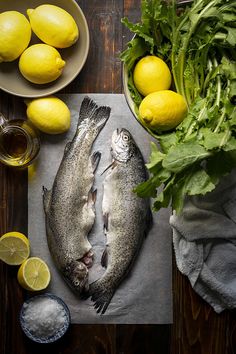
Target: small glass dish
40	300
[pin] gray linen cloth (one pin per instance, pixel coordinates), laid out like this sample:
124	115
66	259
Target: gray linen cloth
204	238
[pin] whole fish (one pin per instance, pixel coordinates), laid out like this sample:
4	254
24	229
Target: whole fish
69	205
127	218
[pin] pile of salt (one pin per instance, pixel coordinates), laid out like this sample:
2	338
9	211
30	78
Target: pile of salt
44	317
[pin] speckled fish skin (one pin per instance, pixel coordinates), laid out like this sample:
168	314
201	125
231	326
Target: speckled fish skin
127	218
69	206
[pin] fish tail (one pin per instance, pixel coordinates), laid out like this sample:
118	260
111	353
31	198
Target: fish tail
88	107
90	111
100	296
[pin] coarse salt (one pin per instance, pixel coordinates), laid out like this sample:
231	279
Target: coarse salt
44	317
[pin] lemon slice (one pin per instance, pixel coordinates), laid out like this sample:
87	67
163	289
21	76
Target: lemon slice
34	274
14	248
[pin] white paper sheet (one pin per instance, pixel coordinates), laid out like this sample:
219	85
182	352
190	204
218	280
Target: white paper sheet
145	296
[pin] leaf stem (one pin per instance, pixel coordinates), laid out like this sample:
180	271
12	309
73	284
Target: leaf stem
182	55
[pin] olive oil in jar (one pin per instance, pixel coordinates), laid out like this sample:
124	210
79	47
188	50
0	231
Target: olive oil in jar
19	143
14	143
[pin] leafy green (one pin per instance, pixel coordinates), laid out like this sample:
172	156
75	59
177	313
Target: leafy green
198	43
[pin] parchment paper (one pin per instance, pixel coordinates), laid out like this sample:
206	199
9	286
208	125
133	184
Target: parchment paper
145	296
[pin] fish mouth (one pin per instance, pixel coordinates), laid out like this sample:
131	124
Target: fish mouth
87	259
76	274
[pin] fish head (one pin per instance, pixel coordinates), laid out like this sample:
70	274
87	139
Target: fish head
122	145
76	273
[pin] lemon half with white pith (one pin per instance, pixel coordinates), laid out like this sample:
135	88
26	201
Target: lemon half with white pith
14	248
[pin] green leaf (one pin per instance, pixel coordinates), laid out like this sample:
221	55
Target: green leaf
231	36
140	30
149	187
194	181
220	165
164	197
198	182
162	200
231	144
167	140
156	156
212	140
135	50
181	156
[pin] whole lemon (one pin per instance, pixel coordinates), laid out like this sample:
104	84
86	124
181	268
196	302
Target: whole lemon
151	74
162	110
53	25
15	35
49	114
41	64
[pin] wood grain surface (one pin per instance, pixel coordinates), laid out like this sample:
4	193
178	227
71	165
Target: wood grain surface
197	329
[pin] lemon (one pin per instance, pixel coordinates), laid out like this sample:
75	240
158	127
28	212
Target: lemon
14	248
41	64
49	114
34	274
151	74
162	110
15	35
53	25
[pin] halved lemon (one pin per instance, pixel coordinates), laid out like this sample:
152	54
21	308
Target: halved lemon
14	248
34	274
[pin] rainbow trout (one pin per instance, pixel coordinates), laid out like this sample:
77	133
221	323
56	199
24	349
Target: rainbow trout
69	205
127	218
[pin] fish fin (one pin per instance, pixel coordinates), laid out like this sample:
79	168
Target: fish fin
104	259
67	147
105	221
112	165
149	222
88	107
90	110
100	296
101	116
46	198
92	196
95	159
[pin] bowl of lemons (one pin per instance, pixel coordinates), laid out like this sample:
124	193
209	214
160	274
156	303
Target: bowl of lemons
43	46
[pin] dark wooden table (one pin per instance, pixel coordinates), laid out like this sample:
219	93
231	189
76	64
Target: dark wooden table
196	328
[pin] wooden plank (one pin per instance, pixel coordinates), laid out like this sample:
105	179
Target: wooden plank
137	339
80	339
102	71
197	329
13	216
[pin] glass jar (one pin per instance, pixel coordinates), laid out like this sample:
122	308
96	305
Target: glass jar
19	142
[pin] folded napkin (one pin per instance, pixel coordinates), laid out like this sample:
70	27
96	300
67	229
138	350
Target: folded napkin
204	238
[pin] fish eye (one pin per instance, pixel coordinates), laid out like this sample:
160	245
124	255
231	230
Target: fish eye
125	137
76	283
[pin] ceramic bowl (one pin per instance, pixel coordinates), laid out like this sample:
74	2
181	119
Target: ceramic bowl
49	339
129	100
75	56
